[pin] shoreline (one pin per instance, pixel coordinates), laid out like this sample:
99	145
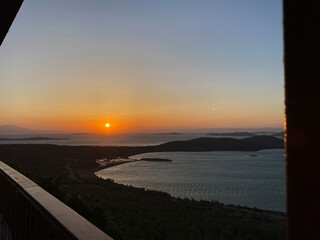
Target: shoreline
119	161
82	162
269	212
70	169
105	163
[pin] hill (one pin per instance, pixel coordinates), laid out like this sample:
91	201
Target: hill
223	144
11	129
33	139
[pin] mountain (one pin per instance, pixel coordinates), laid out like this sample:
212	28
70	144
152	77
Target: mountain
33	139
17	130
238	134
223	144
13	129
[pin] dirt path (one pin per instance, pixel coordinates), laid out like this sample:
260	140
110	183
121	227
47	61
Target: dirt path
70	171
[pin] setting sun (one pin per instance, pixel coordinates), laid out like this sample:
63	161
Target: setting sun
107	125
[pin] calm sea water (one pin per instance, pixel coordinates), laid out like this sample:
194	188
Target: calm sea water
254	179
106	139
141	139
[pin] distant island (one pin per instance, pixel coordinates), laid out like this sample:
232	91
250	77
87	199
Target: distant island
34	139
239	134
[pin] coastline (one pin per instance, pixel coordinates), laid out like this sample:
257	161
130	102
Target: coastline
68	173
157	176
105	163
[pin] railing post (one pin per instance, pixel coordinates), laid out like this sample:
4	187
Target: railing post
302	98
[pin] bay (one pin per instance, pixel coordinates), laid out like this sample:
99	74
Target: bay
253	179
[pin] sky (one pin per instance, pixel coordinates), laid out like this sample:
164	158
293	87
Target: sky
143	65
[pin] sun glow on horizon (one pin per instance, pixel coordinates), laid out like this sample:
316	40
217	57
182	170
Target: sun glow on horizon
144	78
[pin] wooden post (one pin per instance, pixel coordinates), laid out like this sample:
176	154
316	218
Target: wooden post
302	101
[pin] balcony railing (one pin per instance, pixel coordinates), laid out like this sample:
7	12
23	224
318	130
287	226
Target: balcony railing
29	212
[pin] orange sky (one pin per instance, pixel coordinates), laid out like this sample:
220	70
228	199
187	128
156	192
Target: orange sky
153	68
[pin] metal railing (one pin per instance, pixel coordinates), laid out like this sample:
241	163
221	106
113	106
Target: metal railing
28	212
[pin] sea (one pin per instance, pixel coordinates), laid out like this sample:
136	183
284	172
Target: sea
84	139
253	179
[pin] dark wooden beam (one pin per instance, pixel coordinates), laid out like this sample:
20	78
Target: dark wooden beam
302	101
8	12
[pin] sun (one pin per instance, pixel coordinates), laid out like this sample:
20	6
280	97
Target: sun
107	125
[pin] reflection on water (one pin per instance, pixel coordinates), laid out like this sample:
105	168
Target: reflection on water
254	179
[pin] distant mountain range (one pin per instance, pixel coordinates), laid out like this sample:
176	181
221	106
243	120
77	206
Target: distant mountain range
32	139
13	129
17	130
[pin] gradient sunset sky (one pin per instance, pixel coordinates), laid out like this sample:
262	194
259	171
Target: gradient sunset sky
143	65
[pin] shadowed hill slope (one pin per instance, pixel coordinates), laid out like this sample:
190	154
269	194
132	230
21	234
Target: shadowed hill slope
224	144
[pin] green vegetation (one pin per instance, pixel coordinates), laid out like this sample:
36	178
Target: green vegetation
131	213
126	212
